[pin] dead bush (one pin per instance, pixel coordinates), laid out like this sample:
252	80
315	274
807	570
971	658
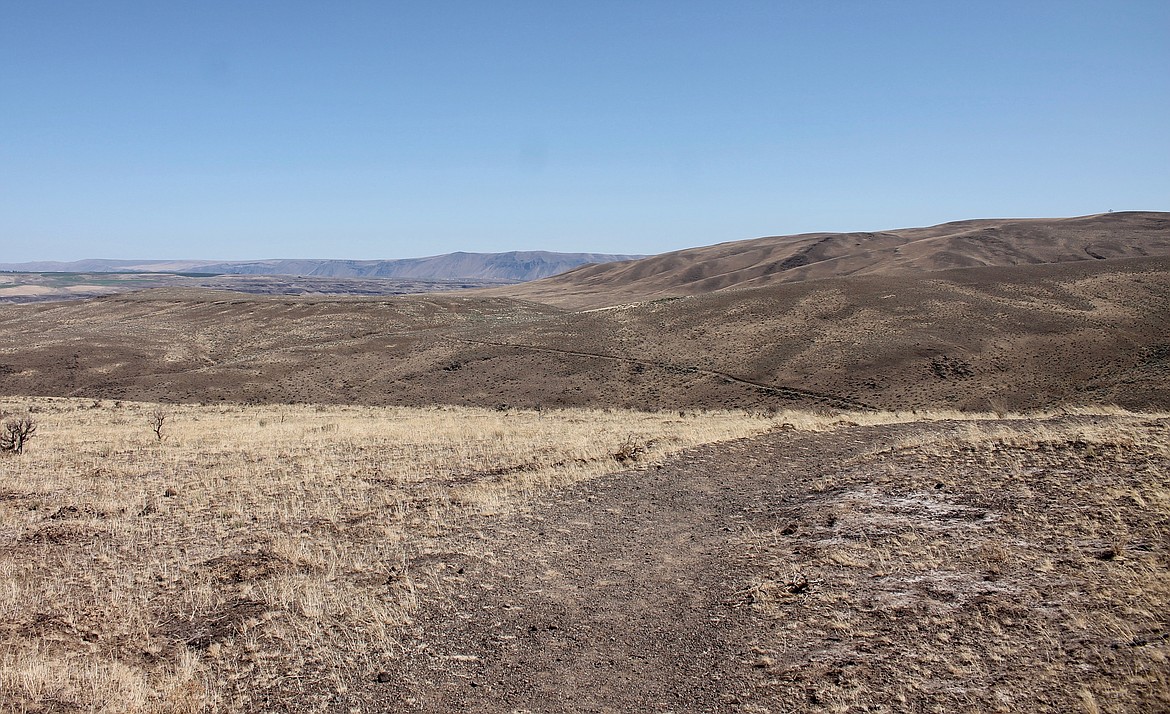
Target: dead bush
16	433
157	418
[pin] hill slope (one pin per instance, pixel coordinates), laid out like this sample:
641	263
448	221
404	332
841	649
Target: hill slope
813	256
1017	337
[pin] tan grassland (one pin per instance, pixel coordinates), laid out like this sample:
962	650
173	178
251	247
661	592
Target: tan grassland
261	544
252	547
253	544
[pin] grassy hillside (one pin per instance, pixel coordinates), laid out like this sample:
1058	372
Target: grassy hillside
1005	338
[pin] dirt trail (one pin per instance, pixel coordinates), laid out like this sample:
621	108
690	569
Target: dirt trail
789	393
620	594
801	571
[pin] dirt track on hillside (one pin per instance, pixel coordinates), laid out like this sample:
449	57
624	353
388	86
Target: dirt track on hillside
754	576
792	393
620	595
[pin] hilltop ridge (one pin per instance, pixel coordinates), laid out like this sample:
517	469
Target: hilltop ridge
813	256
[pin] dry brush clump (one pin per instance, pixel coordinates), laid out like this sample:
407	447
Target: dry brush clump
261	555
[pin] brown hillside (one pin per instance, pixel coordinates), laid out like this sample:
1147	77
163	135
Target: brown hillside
1093	331
813	256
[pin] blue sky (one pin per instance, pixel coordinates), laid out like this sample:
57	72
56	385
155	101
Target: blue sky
239	130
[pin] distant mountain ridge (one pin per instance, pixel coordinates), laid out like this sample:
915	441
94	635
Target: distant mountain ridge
515	265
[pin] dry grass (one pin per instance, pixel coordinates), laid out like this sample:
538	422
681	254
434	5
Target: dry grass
257	554
254	550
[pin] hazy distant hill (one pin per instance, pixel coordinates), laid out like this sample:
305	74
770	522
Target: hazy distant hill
514	265
100	265
816	256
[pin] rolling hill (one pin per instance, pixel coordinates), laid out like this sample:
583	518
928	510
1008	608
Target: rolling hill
869	546
813	256
1030	336
1006	314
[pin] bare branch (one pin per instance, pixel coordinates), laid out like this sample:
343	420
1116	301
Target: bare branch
16	432
157	418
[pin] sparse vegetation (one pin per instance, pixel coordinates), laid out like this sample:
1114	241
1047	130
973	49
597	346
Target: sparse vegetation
265	553
288	560
158	418
630	450
17	432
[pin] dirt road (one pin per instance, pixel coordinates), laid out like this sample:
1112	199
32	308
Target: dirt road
814	572
622	594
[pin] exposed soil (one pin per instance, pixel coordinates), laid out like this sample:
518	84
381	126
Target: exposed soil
858	570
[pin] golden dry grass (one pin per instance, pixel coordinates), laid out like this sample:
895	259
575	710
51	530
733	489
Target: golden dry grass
257	546
252	545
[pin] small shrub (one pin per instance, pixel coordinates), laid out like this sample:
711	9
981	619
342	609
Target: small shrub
157	418
16	433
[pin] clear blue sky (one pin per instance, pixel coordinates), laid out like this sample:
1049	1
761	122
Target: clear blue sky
247	129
